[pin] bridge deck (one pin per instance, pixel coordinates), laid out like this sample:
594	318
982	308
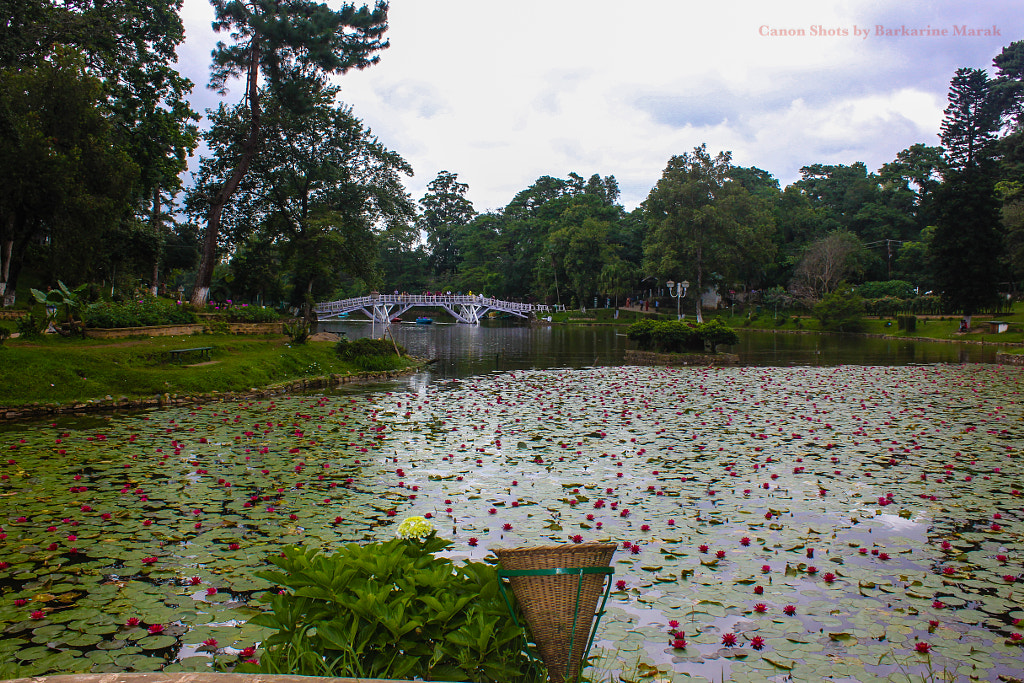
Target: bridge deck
465	308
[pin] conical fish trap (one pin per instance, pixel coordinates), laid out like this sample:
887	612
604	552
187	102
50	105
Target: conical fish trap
559	606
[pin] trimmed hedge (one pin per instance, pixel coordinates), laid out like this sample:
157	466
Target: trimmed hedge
678	336
139	313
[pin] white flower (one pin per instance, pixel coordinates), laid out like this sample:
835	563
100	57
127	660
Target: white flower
414	527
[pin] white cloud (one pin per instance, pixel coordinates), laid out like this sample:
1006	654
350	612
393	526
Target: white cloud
502	93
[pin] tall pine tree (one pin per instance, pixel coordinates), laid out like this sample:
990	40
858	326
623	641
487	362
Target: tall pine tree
971	119
293	45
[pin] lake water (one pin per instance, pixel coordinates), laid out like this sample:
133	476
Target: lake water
836	505
466	350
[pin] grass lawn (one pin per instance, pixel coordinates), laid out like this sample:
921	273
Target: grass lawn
58	370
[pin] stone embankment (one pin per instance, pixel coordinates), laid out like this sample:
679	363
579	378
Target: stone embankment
109	403
1010	358
180	330
190	678
634	357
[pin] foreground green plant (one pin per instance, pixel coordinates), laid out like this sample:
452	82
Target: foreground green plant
390	609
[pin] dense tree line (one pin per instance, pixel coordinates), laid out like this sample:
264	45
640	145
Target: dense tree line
296	200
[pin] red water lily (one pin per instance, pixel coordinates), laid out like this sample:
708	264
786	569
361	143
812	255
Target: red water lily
757	642
728	639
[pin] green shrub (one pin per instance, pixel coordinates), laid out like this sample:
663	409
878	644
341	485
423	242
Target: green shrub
143	312
840	311
389	610
671	336
907	323
885	306
899	289
243	313
298	330
716	332
5	332
366	347
30	326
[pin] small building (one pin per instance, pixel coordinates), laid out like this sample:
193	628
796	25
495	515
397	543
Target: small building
997	326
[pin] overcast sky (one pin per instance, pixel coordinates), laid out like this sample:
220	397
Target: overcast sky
502	93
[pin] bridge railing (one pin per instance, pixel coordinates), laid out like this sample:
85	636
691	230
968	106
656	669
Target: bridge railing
428	300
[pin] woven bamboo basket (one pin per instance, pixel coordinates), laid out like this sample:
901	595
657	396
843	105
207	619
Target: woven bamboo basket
553	604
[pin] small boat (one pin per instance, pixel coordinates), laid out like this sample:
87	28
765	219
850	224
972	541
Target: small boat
423	320
396	319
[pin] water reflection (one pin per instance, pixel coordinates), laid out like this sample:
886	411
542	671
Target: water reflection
466	350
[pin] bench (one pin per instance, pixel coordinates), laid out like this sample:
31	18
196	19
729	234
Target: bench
203	351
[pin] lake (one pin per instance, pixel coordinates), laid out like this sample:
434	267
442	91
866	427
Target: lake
856	514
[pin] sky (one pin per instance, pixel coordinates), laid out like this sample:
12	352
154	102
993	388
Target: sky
502	93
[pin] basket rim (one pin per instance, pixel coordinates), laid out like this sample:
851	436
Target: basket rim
562	548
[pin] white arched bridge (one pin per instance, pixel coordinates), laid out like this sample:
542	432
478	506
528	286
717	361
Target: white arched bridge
465	308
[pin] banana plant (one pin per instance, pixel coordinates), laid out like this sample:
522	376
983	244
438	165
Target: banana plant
64	306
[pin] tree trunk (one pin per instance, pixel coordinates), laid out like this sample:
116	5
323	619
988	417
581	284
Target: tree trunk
6	249
700	284
204	276
158	227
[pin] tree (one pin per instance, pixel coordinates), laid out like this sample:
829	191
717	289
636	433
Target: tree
704	226
966	246
579	250
65	181
971	120
445	211
827	262
912	178
1008	87
1011	195
840	190
484	258
293	45
322	190
617	277
128	48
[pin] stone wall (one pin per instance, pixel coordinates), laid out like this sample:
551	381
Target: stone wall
180	330
634	357
256	328
203	677
150	331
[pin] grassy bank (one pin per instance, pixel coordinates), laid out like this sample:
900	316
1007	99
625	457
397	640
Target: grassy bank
939	328
62	371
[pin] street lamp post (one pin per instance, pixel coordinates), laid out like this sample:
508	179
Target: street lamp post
679	292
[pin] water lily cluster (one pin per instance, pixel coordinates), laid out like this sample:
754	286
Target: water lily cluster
850	522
